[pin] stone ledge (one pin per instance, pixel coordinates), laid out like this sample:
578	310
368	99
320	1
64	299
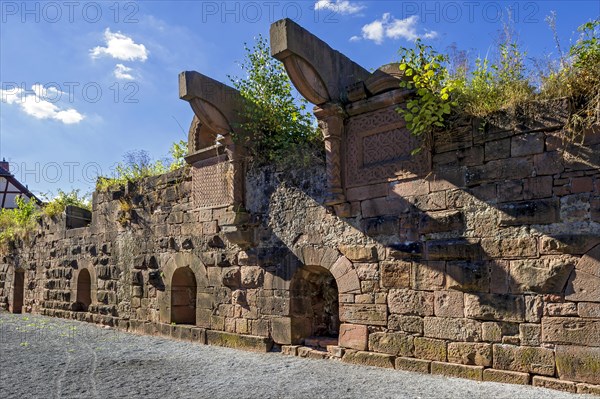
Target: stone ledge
237	341
412	364
509	377
553	383
457	370
369	359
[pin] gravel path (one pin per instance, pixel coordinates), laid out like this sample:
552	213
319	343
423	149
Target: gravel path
43	357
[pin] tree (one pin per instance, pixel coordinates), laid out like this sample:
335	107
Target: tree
279	126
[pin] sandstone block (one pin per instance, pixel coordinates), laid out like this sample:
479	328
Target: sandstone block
398	344
571	330
578	363
453	249
560	309
369	359
530	334
370	314
246	342
524	359
354	336
468	276
428	276
410	324
553	383
281	330
544	277
290	350
436	222
310	353
457	370
589	389
358	253
476	354
583	287
534	307
543	211
508	377
455	329
448	304
588	309
491	331
414	365
430	349
495	307
406	301
395	274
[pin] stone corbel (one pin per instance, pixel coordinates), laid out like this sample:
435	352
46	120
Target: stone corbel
216	109
320	73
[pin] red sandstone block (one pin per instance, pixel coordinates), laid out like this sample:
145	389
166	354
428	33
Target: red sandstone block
582	185
354	336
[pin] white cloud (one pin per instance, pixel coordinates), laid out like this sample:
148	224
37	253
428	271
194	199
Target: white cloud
120	47
11	96
392	28
123	72
38	106
343	7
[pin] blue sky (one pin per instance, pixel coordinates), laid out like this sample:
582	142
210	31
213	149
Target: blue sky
85	82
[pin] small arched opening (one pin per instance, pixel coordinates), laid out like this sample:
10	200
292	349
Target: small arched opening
84	290
183	296
314	306
18	291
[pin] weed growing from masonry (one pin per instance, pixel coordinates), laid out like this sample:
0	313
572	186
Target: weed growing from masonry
501	83
138	165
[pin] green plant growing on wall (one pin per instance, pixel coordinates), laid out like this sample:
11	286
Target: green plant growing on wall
59	203
280	128
584	78
426	73
178	152
138	165
18	223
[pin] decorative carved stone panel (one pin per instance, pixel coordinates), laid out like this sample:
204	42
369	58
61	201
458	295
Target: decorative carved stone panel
212	181
378	149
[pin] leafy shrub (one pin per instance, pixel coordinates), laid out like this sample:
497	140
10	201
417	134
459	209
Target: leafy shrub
17	223
58	204
428	76
280	127
502	83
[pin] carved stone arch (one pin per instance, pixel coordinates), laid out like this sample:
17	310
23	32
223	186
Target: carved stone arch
76	287
173	262
306	79
316	264
200	136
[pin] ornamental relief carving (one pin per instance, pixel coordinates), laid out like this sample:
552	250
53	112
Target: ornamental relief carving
378	149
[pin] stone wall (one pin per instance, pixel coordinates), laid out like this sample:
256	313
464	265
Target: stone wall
477	258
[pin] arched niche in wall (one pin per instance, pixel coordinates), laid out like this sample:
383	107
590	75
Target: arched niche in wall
84	287
312	281
184	275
